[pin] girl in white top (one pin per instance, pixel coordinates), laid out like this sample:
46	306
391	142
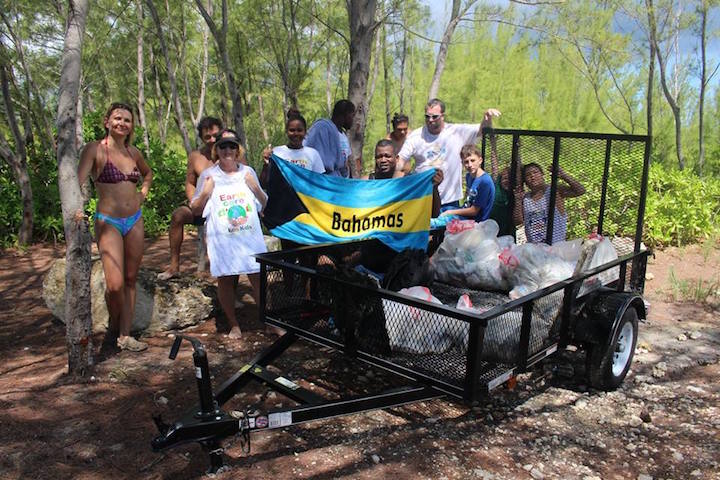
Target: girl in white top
294	152
229	198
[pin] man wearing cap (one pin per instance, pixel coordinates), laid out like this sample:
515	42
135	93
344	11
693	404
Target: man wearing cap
438	145
198	161
329	139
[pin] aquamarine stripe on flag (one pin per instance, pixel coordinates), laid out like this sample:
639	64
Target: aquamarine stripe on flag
355	193
311	208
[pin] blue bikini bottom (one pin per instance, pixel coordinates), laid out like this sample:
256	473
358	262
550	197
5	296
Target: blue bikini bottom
123	224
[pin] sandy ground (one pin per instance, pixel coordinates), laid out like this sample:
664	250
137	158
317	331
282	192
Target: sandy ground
663	423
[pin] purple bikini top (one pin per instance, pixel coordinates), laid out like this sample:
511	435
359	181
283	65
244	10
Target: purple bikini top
112	174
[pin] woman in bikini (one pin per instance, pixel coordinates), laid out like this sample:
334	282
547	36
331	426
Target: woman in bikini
118	221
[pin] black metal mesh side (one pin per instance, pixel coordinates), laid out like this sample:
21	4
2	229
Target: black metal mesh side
609	167
403	332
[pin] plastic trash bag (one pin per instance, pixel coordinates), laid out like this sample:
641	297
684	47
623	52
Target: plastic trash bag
468	256
532	266
416	330
604	253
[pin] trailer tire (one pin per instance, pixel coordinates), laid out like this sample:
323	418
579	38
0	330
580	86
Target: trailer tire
608	364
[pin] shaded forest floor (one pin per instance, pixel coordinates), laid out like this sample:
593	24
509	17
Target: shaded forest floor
664	422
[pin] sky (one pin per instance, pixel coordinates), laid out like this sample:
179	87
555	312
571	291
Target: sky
689	44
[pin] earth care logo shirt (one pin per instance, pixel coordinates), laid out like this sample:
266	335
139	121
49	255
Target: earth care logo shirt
232	225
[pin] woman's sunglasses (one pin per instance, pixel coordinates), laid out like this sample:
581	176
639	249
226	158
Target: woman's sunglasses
230	146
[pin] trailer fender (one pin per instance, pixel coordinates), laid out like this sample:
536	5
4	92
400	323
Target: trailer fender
601	315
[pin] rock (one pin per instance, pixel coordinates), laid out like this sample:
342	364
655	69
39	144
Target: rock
375	459
635	421
160	306
681	337
695	335
537	474
678	457
630	447
649	276
644	476
484	474
659	370
645	415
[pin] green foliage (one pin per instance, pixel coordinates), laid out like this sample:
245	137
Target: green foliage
694	290
540	77
10	209
681	208
168	188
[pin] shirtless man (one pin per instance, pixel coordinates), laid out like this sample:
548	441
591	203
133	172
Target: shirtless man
198	161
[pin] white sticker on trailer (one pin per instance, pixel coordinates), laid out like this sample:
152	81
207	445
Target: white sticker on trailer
288	383
495	382
280	419
551	350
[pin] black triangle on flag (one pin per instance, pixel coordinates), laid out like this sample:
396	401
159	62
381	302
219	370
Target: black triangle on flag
283	202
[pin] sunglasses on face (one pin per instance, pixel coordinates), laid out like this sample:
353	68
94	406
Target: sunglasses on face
432	118
230	146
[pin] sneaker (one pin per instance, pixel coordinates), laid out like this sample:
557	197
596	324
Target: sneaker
132	345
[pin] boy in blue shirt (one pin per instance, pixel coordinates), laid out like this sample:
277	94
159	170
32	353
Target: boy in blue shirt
480	192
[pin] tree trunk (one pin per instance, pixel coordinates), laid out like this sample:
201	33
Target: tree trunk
703	84
328	85
79	134
263	125
403	56
220	37
205	65
376	68
17	161
162	127
32	92
386	80
651	77
179	117
362	27
455	17
77	236
141	78
672	101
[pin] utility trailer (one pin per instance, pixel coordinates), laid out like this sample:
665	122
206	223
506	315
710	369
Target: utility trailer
334	307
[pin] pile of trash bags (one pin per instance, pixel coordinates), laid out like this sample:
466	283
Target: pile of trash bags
472	256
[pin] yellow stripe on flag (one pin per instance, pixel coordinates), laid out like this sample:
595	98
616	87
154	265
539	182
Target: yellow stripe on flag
401	217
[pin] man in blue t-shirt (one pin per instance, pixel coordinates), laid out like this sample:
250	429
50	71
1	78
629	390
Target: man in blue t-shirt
480	192
328	137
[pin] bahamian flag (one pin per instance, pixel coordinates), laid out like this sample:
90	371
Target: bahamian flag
311	208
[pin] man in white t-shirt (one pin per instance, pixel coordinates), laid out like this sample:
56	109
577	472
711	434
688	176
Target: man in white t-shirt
438	145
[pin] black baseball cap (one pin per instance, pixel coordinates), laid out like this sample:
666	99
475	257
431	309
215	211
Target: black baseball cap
226	136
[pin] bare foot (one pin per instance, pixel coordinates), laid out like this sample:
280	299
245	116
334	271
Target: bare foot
235	333
168	274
